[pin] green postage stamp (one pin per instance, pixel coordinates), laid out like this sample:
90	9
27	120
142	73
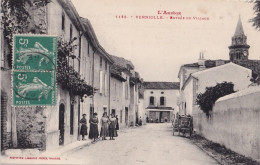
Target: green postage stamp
34	70
34	88
35	52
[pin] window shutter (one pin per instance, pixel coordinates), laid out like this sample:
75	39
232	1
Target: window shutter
105	82
100	82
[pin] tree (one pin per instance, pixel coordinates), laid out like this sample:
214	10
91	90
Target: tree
207	99
16	18
256	19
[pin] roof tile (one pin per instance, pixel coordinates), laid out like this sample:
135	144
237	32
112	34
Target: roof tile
120	61
161	85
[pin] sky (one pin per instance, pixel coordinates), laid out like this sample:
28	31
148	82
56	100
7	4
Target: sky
158	47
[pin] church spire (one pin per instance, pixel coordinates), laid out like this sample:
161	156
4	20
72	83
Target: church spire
239	29
238	50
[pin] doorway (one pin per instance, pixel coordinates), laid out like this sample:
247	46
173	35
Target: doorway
61	123
126	116
91	112
71	118
160	118
113	112
136	118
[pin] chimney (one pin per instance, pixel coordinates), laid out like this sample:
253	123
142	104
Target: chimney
201	61
220	62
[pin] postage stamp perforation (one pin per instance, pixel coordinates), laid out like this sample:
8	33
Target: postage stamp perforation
32	54
34	85
28	83
28	35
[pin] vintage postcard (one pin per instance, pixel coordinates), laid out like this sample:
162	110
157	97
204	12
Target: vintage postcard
130	82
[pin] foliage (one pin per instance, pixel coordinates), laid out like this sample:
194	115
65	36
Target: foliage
16	20
256	19
207	99
253	65
67	77
255	79
16	16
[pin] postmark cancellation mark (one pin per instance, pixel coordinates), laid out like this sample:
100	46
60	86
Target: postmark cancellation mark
35	52
34	88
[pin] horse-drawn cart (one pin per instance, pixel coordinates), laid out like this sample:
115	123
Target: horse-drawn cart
183	124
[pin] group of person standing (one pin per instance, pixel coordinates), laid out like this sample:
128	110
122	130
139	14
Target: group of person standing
109	127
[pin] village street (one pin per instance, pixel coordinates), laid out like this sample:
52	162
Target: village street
150	144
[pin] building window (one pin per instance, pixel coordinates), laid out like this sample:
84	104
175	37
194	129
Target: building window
100	62
71	118
106	65
63	22
71	31
162	100
151	92
162	92
151	100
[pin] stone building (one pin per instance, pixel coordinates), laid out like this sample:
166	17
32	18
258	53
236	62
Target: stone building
238	54
96	67
8	129
198	81
46	128
135	85
160	98
116	83
119	104
62	121
124	91
141	108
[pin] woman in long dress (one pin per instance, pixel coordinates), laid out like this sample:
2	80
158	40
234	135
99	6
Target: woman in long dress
112	127
104	126
93	132
83	128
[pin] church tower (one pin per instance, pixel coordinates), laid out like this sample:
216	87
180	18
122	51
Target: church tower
238	50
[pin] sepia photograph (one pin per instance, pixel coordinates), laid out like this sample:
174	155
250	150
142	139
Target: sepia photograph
130	82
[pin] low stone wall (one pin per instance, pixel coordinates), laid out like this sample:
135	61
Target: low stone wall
5	136
30	124
235	122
